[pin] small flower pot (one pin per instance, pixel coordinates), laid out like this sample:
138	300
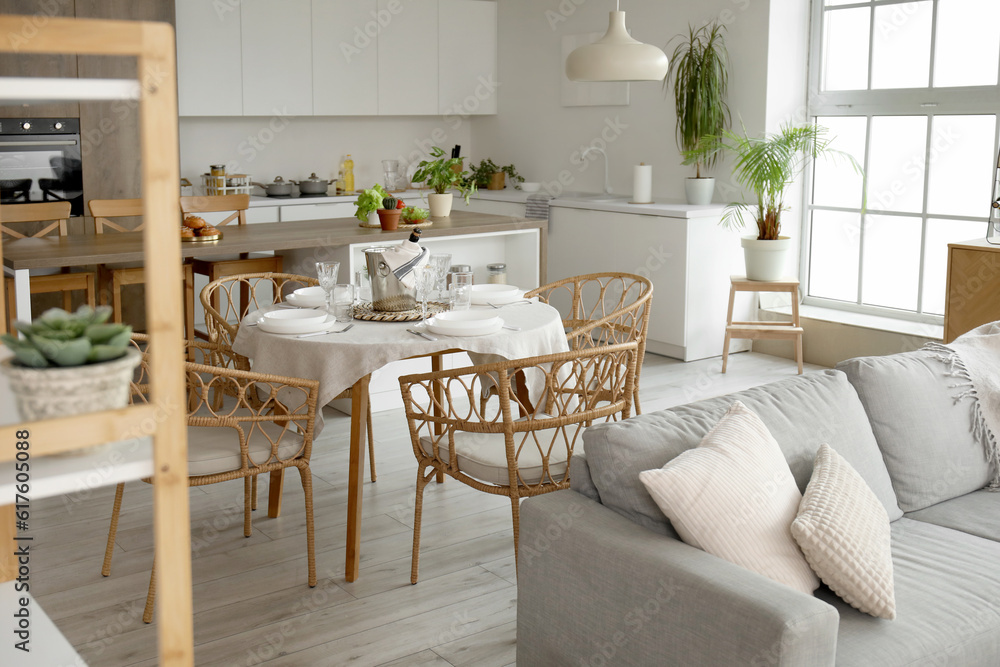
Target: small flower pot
497	181
389	219
440	205
458	168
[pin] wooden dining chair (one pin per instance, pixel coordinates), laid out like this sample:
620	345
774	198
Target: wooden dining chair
109	215
36	221
497	451
224	312
236	206
252	434
601	309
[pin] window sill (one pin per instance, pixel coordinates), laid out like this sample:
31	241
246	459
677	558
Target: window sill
864	321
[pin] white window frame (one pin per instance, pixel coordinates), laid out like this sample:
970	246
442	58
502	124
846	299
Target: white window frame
929	102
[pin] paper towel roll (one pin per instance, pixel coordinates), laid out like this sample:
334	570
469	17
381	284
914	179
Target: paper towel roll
642	183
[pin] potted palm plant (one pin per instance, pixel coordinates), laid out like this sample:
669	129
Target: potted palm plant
766	166
700	81
442	174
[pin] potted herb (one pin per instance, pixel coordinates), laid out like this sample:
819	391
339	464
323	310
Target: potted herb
491	176
442	174
699	80
369	201
766	167
70	364
388	214
414	216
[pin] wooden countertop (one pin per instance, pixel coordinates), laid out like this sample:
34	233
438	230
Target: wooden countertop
113	248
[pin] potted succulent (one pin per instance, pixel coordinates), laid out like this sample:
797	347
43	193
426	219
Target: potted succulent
388	215
70	364
766	166
413	216
700	81
440	175
368	202
491	176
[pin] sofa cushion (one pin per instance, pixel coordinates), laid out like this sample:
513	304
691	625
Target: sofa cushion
924	434
976	513
734	497
801	413
947	613
843	531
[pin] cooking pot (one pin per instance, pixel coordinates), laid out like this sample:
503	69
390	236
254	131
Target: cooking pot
314	185
279	188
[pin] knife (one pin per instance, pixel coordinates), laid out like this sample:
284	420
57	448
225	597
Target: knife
421	334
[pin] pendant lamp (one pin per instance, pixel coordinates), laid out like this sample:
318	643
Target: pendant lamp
617	57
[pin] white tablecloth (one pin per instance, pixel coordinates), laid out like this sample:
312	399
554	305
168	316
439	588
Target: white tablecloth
339	360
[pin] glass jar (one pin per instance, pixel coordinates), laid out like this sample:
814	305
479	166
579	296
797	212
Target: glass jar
458	268
496	273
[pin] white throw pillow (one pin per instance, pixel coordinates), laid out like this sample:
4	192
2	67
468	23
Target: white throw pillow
734	496
844	532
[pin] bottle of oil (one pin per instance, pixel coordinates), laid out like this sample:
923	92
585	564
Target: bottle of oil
348	168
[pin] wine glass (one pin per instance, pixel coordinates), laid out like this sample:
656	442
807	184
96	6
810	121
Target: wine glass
327	274
426	277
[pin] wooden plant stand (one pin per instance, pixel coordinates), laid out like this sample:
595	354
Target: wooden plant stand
764	330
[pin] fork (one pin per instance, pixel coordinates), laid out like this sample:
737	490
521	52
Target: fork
323	333
512	303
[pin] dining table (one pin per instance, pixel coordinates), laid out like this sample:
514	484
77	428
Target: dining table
341	360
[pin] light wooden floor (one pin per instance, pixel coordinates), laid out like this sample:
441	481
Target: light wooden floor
252	604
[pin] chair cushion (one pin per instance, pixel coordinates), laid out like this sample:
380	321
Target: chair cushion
484	456
925	435
843	531
947	604
213	449
800	412
734	497
976	513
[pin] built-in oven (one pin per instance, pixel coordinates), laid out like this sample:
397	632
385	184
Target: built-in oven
40	161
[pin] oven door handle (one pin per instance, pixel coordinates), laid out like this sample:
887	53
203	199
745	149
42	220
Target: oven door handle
61	142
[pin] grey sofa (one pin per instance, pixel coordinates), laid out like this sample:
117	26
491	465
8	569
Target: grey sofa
604	580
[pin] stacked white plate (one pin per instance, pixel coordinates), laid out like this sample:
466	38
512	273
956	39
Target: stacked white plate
496	294
307	297
295	321
465	323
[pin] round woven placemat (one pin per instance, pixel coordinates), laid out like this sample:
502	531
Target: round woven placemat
402	225
364	311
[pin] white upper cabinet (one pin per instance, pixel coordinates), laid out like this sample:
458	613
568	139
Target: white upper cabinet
467	43
407	57
277	57
345	57
209	74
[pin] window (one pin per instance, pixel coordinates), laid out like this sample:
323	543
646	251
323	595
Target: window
910	89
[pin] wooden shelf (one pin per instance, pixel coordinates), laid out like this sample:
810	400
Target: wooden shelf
48	646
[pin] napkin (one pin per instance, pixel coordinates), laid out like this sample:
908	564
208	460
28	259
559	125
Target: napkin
403	259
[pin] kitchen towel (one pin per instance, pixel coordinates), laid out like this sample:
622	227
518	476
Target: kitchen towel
642	184
537	206
403	259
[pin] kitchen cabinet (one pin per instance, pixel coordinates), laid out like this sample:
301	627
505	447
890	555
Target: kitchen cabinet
345	57
316	211
408	58
972	295
35	64
467	57
209	59
688	259
276	49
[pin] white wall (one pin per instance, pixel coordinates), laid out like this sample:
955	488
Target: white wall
543	138
294	147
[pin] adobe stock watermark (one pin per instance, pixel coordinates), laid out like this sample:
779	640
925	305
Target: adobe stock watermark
254	144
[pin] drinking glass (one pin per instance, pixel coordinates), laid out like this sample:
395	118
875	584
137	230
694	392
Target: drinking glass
363	287
440	261
461	291
327	274
426	279
343	302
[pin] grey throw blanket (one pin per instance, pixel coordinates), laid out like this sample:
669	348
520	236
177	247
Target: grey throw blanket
974	359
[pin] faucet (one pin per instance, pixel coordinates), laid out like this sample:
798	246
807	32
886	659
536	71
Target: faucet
607	178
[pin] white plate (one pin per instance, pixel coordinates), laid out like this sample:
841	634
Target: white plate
288	315
460	320
484	328
306	301
293	327
491	293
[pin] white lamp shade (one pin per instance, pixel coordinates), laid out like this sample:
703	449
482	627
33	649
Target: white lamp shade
617	57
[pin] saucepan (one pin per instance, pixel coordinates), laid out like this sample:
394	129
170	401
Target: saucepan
314	185
279	188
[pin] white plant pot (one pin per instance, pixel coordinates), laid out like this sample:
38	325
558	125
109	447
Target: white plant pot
440	205
47	393
699	190
766	260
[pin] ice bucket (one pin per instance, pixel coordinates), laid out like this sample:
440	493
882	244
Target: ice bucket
388	294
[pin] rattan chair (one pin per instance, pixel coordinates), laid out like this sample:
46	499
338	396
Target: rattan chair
228	300
31	219
236	206
601	309
494	451
108	215
252	434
